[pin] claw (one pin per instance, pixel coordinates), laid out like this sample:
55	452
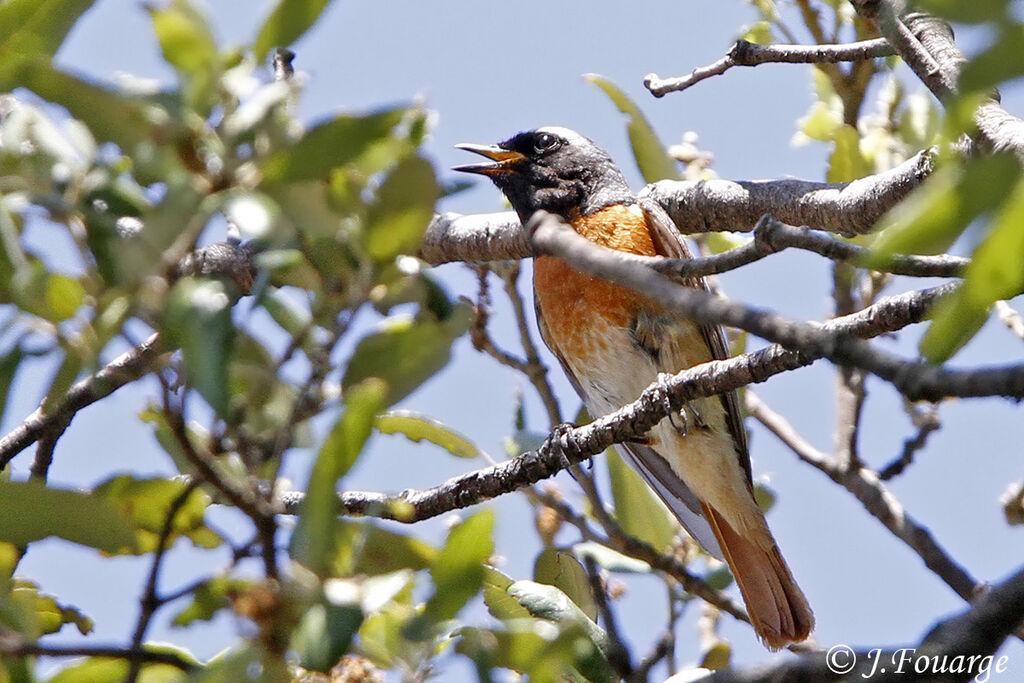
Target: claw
663	382
558	441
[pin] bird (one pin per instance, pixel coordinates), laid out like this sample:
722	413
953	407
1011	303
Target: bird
613	343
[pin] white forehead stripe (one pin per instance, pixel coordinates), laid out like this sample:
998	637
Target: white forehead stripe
568	134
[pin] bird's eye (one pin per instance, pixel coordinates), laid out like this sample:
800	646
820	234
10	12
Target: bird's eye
544	142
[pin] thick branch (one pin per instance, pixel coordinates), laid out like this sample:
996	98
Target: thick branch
850	208
915	380
702	206
744	53
926	45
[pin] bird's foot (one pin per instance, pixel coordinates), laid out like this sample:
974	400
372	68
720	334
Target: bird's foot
674	416
680	419
560	444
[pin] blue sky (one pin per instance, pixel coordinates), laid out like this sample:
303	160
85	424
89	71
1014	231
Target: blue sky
490	69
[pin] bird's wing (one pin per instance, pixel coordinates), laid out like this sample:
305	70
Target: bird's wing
668	242
653	468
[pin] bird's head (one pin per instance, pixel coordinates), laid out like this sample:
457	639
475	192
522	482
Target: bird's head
554	169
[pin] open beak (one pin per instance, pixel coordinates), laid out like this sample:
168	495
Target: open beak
501	160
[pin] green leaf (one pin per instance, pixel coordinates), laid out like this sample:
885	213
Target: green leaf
63	378
147	502
1001	61
637	508
611	560
651	157
405	352
403	208
209	598
934	215
35	28
106	670
50	615
759	33
548	602
110	117
314	541
188	45
458	572
324	634
51	296
500	604
567	655
764	496
417	427
974	12
993	274
720	578
717	656
367	548
560	569
31	511
286	24
826	114
260	399
198	320
846	162
9	363
330	145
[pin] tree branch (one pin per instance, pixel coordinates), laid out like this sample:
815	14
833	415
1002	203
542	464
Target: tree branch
630	422
876	499
702	206
12	648
126	368
915	380
956	649
850	208
926	44
744	53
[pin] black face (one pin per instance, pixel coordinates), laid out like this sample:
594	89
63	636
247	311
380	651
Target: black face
554	169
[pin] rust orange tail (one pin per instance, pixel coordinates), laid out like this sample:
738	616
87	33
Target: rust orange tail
777	607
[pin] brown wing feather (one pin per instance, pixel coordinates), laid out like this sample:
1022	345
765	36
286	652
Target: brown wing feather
668	242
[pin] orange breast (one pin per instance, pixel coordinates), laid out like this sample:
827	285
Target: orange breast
577	308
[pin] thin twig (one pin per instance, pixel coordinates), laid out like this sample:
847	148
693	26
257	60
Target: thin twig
128	367
10	648
534	369
617	653
958	648
251	503
874	496
1011	318
150	601
744	53
927	421
850	389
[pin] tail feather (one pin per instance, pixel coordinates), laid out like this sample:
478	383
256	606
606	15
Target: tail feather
777	607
